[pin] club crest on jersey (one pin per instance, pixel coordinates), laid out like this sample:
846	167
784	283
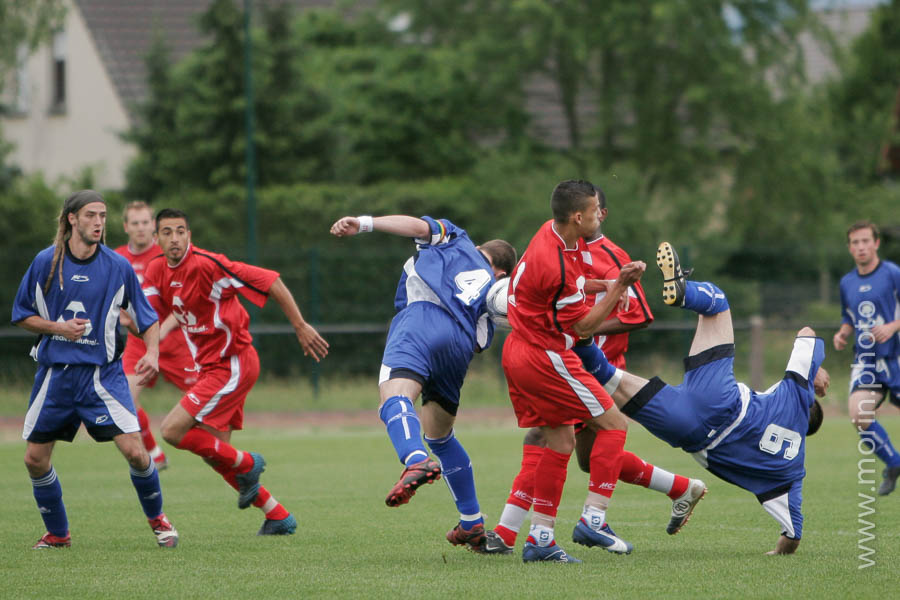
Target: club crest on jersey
865	288
80	278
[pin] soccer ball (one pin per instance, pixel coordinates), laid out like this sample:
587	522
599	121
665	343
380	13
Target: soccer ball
495	302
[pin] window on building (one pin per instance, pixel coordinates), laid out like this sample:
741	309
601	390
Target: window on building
58	73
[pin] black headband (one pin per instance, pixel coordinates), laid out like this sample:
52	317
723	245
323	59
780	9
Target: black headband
79	199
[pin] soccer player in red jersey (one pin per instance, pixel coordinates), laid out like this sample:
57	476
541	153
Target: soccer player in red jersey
631	313
175	361
548	385
201	289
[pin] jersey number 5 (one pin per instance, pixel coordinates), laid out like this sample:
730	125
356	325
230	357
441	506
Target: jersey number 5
774	438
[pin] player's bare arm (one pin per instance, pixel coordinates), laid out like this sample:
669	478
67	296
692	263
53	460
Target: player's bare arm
883	333
71	329
840	338
148	366
401	225
312	343
628	275
168	325
785	545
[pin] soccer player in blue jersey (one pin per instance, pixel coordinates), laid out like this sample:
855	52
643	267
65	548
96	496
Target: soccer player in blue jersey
754	440
440	323
870	306
71	296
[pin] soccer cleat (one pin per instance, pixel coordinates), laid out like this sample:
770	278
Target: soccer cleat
494	544
248	483
415	475
552	553
472	538
165	533
285	526
162	463
605	538
683	506
53	541
889	482
673	276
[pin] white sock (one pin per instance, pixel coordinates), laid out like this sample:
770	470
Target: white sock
661	480
595	517
513	517
543	536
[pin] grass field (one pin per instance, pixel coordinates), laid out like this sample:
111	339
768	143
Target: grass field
350	545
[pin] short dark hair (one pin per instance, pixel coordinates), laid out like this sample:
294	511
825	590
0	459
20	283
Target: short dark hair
815	418
171	213
864	225
571	196
502	253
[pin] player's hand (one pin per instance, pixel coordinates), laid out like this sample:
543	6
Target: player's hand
73	328
785	545
631	272
312	343
147	368
345	226
821	382
883	333
840	340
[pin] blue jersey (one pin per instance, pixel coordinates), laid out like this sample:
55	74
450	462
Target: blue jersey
95	289
870	300
448	271
764	448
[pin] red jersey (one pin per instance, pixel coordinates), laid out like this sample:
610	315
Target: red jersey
606	262
546	295
172	346
202	290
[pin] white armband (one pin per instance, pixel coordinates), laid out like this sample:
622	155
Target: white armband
366	224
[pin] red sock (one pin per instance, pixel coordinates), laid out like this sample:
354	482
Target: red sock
522	492
203	443
679	486
506	534
549	479
635	470
606	461
146	434
277	513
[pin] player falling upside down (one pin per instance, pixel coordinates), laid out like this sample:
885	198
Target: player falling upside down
439	325
201	288
175	361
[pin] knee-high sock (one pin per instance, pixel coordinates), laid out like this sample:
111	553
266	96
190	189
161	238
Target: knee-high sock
204	444
265	501
457	471
704	298
549	480
404	429
877	438
637	471
146	484
521	496
147	435
48	495
606	461
594	361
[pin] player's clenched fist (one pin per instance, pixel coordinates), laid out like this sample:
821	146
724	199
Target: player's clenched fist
345	226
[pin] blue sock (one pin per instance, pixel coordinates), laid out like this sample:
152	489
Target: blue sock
878	439
595	362
404	429
146	484
457	470
704	298
48	494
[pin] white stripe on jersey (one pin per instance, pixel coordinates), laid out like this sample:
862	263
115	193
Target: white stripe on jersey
416	289
481	330
111	323
121	416
216	296
745	401
584	394
574	298
151	291
802	356
40	303
34	411
780	509
229	387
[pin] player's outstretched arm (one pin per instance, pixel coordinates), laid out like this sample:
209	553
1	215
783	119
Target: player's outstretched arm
401	225
785	545
312	343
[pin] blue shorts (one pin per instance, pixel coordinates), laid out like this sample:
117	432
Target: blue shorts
690	415
64	396
880	375
427	345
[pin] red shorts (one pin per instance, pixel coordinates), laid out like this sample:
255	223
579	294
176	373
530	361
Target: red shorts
175	361
550	388
217	399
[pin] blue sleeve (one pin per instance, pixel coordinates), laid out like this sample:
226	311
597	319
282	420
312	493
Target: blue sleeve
785	507
442	231
26	304
138	307
845	316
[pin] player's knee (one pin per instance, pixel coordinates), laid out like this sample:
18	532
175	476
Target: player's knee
534	437
171	433
36	464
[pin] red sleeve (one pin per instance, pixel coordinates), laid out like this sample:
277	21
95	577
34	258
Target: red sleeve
249	281
638	309
153	282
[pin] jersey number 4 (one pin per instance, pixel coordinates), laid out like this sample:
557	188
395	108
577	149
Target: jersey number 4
775	436
470	284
